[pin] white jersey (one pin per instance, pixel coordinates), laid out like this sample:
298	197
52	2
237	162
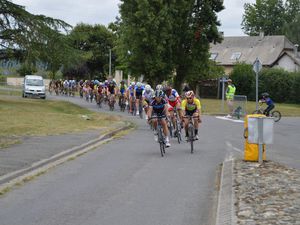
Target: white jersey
148	95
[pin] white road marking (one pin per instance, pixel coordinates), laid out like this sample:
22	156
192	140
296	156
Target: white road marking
229	119
231	147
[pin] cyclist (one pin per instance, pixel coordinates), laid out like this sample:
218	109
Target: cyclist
159	107
100	90
174	101
130	95
111	91
138	93
192	107
148	95
266	99
122	91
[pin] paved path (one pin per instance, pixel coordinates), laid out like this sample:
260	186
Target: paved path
128	182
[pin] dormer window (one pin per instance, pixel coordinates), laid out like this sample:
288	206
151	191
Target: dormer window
213	56
236	56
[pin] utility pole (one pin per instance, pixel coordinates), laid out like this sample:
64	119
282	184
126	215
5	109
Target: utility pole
110	62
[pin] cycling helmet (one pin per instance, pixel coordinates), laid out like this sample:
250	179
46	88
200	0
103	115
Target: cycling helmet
159	87
122	82
159	93
139	84
132	83
189	94
147	88
265	94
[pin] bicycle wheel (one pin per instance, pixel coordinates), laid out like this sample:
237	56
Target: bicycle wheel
178	131
161	142
276	115
191	136
170	126
141	110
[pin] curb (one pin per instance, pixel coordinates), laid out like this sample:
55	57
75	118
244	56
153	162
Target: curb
9	180
225	209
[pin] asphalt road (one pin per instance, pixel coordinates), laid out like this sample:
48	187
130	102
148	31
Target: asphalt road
127	182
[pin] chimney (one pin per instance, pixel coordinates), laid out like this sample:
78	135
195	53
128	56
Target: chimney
261	35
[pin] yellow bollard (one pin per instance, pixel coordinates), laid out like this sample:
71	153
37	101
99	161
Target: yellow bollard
251	151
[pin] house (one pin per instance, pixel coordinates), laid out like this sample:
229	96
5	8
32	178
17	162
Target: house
272	51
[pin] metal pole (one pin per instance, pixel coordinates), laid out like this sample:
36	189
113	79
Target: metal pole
223	87
110	62
260	139
257	90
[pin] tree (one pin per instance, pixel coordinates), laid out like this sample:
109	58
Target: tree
161	38
195	26
264	15
292	30
243	77
93	42
22	34
292	9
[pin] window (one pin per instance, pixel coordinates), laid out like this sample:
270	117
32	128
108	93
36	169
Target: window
213	56
236	56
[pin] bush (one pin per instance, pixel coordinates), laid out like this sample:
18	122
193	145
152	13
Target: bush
243	77
295	93
2	79
27	69
278	83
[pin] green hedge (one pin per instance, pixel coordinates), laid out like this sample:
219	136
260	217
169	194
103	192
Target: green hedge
243	78
283	86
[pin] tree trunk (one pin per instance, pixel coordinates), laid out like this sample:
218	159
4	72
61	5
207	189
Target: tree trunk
179	79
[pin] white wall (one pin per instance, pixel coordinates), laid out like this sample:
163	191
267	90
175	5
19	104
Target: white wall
288	64
18	81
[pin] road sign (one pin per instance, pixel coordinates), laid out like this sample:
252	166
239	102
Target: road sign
257	66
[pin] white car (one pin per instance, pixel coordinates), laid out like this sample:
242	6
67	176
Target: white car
34	87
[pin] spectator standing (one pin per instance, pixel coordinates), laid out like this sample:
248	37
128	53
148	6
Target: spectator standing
230	91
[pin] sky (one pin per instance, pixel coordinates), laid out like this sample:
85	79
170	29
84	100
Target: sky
105	11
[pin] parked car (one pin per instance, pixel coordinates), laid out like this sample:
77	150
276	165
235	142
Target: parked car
34	86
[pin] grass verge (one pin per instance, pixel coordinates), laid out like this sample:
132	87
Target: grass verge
34	117
214	106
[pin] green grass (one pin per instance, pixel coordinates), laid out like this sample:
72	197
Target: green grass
214	106
34	117
11	92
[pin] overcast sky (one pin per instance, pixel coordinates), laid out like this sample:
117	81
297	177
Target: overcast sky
105	11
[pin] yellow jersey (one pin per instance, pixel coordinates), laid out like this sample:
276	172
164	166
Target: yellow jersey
196	105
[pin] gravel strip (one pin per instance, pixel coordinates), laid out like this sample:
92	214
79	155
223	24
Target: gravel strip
266	194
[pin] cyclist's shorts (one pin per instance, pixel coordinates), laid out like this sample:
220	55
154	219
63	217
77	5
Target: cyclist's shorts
190	113
146	103
159	114
171	104
138	95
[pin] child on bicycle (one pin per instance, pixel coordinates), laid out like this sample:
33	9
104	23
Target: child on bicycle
266	99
